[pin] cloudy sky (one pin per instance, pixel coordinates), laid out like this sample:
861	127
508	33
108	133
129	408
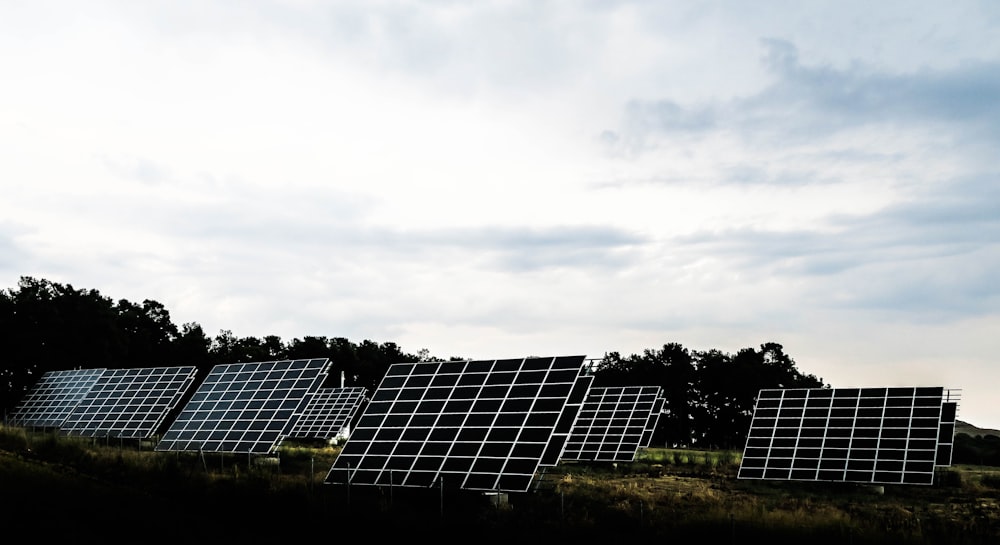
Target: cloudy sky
511	178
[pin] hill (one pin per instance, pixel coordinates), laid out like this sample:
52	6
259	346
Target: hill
973	431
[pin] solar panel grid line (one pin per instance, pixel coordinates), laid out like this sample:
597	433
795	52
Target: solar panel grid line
556	446
782	413
946	432
50	401
853	418
129	403
880	445
589	410
614	423
245	407
611	443
862	435
328	413
634	425
619	441
480	424
654	419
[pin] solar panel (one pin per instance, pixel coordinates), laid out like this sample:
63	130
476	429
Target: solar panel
129	403
245	407
478	424
564	426
864	435
614	423
54	397
946	434
329	413
654	420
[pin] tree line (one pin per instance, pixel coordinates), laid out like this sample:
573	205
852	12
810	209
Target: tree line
48	326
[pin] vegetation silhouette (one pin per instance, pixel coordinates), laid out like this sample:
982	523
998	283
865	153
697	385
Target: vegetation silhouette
50	326
81	489
683	487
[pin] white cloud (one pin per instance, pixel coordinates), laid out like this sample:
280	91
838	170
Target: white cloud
512	178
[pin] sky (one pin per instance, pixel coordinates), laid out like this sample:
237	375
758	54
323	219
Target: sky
524	178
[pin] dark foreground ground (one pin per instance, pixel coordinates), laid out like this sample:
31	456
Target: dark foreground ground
82	493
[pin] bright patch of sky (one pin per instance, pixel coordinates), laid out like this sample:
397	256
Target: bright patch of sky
510	178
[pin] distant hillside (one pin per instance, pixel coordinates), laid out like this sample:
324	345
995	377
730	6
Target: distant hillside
972	431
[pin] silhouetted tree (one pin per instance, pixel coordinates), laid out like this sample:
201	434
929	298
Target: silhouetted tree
712	406
671	367
191	347
977	450
308	347
344	362
613	370
52	327
710	394
374	360
47	326
227	348
16	374
728	387
148	334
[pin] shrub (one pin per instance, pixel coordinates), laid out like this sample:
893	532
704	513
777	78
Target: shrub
13	439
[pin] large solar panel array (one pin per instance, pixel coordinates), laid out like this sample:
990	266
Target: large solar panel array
51	400
479	425
614	423
245	407
329	413
864	435
129	403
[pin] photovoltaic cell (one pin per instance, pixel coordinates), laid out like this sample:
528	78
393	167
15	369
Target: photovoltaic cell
328	413
478	425
614	423
129	403
245	407
865	435
53	398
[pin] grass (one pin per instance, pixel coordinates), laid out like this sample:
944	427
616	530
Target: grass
106	489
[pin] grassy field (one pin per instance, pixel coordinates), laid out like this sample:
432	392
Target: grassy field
76	488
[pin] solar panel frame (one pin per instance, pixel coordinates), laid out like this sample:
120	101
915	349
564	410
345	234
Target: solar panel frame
477	424
614	423
129	403
51	400
328	413
864	435
245	407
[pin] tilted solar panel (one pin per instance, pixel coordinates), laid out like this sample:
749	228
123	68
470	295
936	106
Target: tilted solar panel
654	420
571	411
946	434
51	400
478	425
245	407
328	413
614	423
865	435
129	403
